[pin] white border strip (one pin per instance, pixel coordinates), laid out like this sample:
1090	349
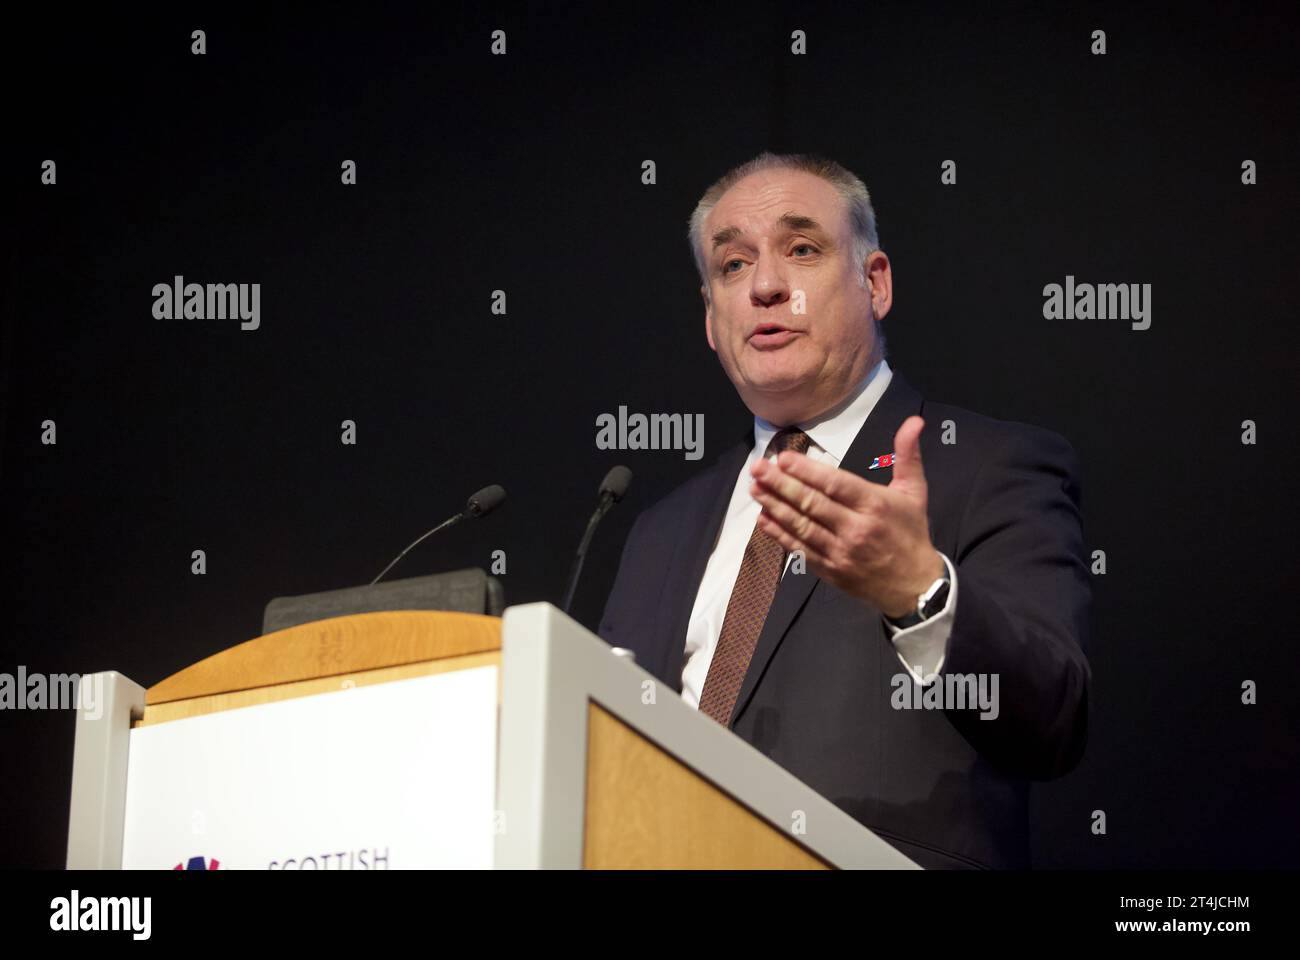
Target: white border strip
97	816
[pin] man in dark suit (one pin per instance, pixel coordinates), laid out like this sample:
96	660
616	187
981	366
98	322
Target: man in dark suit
885	595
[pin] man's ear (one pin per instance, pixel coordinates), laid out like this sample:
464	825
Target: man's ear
708	319
880	283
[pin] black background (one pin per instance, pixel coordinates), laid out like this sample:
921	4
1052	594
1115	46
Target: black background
523	173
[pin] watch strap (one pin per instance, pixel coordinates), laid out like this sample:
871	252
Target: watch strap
938	600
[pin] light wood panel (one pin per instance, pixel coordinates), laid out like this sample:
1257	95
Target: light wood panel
198	706
332	648
646	809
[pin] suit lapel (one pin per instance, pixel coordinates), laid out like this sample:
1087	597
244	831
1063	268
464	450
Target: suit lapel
691	558
899	401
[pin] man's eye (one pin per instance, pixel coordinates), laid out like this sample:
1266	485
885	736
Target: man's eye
808	245
726	266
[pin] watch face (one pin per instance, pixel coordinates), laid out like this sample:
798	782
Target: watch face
938	601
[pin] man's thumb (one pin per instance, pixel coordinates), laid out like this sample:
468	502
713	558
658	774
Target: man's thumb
908	472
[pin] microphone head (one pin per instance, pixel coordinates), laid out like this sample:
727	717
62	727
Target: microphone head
616	483
486	500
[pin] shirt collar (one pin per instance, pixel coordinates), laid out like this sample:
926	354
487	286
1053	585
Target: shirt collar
835	429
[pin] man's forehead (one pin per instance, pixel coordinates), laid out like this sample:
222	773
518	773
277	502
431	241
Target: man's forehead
763	199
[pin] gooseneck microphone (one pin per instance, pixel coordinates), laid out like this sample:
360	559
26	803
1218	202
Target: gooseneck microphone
612	490
481	504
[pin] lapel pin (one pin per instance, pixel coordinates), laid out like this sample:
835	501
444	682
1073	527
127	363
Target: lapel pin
882	461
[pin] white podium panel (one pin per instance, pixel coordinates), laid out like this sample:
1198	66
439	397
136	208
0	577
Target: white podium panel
396	775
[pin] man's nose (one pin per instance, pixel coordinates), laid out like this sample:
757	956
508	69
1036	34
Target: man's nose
769	286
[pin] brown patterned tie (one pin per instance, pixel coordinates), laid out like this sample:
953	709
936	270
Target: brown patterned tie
760	573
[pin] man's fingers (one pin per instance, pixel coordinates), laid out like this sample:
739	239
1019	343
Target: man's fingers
909	474
788	541
830	494
800	526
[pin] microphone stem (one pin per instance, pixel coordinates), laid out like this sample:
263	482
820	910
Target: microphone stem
442	526
605	503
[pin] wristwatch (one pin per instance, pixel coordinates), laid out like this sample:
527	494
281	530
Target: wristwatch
928	604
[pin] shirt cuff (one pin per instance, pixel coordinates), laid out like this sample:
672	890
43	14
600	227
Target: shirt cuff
922	648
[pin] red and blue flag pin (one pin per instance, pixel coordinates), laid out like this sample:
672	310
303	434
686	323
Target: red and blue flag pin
882	461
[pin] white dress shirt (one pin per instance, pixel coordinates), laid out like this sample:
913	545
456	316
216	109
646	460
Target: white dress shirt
920	648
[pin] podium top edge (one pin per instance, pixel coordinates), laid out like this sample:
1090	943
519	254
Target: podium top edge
338	645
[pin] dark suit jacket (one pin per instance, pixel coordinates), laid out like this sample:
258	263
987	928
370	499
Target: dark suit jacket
947	788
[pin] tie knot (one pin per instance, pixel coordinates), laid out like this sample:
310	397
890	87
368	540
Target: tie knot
790	439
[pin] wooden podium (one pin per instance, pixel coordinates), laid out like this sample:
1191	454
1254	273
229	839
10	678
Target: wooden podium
598	765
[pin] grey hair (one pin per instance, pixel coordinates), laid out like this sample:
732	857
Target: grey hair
857	202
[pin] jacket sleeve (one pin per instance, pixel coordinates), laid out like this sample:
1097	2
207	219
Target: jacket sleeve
1024	606
620	603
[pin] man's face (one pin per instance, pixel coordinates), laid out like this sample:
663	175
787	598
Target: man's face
792	326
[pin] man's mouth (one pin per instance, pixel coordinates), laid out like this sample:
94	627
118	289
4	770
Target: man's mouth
769	336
